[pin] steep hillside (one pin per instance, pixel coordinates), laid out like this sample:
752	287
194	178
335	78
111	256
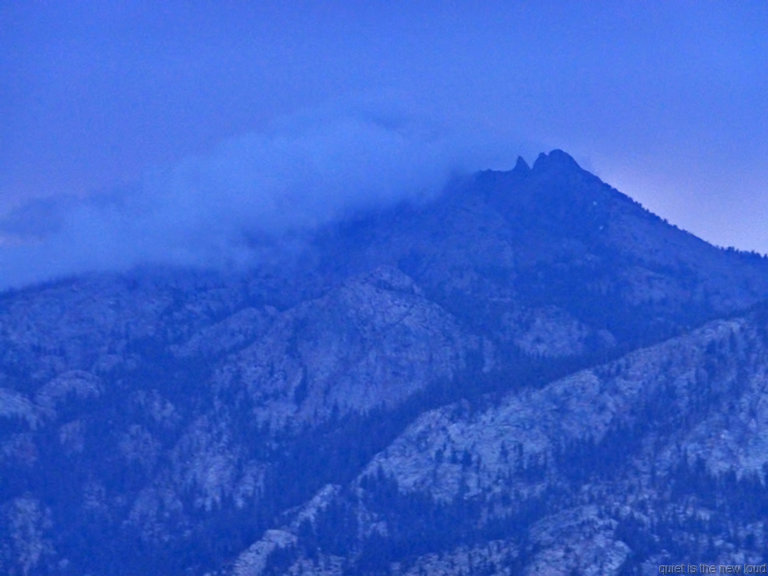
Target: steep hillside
504	246
657	458
473	379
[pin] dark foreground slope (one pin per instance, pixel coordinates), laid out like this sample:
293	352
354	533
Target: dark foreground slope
487	377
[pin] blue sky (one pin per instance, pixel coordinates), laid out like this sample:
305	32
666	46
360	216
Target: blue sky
664	100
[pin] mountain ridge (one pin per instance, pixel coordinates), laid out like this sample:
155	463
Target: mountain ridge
234	423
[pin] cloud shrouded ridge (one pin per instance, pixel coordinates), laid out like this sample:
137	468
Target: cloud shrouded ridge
206	210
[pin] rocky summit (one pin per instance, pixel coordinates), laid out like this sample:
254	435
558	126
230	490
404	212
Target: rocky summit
528	373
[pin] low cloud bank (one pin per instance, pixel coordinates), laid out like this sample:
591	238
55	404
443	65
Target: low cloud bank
207	210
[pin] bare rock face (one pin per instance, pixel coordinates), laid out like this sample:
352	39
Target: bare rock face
529	374
371	343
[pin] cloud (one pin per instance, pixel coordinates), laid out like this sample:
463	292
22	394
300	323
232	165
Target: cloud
305	172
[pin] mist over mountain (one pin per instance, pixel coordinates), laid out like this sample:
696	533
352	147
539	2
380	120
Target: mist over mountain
494	372
248	199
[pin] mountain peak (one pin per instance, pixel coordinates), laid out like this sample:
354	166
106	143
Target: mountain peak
556	159
521	166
